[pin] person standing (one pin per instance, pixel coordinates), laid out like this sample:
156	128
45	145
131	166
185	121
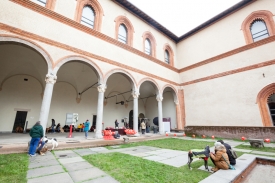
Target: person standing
116	124
36	134
58	127
53	125
143	126
86	128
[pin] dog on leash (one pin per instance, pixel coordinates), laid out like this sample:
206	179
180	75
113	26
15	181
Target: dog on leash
52	141
201	154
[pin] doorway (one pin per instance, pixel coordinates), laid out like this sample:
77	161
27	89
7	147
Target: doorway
131	126
19	122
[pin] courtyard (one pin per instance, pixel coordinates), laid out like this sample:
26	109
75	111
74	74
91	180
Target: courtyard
149	158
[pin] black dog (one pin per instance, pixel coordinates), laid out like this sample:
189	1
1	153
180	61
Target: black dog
204	154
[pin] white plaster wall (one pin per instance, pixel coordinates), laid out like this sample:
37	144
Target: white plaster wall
17	93
219	37
151	109
66	8
169	108
227	101
253	56
86	42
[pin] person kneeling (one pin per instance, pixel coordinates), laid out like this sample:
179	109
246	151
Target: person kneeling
220	158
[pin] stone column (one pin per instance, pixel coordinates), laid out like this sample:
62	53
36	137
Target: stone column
46	102
135	111
178	115
99	118
161	128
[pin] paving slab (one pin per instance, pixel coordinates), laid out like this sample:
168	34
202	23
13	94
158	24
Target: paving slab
98	149
233	143
66	155
140	150
242	150
38	158
115	147
149	148
107	179
174	154
86	174
176	161
38	172
215	179
71	160
203	168
70	167
43	163
56	178
63	152
155	158
141	154
264	153
84	152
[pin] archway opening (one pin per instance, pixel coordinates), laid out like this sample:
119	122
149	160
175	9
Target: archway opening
22	78
169	108
271	107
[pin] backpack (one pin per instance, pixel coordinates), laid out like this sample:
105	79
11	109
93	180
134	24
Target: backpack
233	153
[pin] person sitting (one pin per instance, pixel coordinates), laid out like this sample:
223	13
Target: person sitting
232	160
58	127
79	127
219	158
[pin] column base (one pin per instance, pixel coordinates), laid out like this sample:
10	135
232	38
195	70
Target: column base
137	134
98	135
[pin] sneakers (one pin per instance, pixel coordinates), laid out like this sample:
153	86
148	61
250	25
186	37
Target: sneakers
32	155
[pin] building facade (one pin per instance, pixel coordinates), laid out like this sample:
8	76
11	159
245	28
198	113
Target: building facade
108	60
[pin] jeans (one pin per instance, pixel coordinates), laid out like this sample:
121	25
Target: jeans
41	146
33	145
53	131
86	134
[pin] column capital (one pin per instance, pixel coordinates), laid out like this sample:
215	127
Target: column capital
159	98
176	102
50	79
135	94
101	88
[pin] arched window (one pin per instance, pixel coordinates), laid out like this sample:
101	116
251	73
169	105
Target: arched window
258	30
147	47
88	17
41	2
122	34
166	57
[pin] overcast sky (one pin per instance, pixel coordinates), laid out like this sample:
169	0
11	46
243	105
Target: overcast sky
181	16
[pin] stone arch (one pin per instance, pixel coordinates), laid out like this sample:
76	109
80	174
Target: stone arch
70	85
155	84
70	58
34	46
175	93
262	98
264	15
123	72
130	28
96	7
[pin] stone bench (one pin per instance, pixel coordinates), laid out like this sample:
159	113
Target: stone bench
126	139
256	142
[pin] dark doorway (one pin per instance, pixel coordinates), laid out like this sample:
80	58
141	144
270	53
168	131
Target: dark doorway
19	122
94	121
272	112
131	126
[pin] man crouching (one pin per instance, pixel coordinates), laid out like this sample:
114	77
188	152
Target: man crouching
219	158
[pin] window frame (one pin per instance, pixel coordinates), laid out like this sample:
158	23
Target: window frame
149	35
119	35
94	4
263	15
168	48
81	20
130	29
50	4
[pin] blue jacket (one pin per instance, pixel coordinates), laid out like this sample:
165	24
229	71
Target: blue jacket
86	126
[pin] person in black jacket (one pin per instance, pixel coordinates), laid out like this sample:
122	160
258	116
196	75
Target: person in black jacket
36	133
230	156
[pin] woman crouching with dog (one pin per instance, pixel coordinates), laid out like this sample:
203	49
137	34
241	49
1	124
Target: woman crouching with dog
220	158
36	133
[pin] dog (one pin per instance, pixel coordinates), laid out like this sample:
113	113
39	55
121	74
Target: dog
201	154
19	129
52	141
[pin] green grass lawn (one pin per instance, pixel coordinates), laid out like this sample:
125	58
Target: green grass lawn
128	169
171	143
264	149
13	168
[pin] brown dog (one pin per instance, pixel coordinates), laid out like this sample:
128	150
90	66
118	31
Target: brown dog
19	129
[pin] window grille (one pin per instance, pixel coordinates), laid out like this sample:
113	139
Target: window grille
88	17
258	30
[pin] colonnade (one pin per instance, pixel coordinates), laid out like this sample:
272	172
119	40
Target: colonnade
47	97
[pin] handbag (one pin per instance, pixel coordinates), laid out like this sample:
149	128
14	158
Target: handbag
230	166
233	153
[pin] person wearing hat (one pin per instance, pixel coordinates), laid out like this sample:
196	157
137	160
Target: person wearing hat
232	160
86	128
220	158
